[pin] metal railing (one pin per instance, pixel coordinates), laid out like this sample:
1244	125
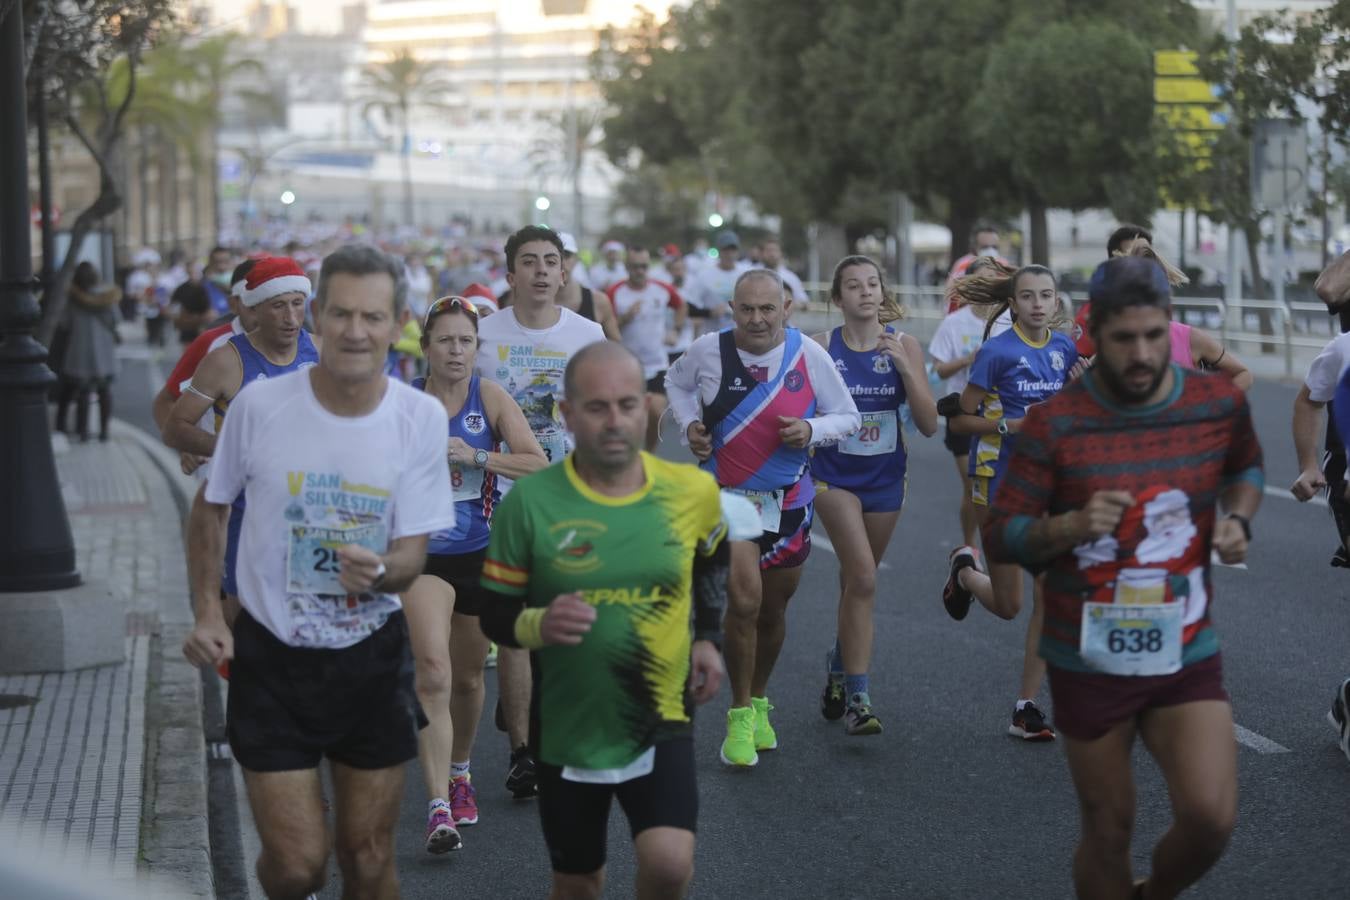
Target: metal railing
1293	332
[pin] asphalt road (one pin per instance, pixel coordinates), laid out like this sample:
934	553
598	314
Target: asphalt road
944	804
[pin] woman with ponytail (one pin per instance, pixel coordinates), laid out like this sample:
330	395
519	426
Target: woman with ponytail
1020	367
860	482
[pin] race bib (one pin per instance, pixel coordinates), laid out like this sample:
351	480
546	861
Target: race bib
312	555
769	505
554	444
1139	634
879	434
466	482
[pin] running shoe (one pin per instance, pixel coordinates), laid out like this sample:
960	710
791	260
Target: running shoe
441	834
858	719
1029	724
739	747
765	737
463	801
1339	716
491	661
833	701
1340	559
954	597
521	780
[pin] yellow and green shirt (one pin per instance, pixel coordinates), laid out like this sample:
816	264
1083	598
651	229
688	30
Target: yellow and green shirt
601	703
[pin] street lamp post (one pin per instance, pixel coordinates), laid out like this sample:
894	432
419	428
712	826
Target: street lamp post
36	550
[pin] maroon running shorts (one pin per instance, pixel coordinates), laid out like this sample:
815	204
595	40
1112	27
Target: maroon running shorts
1089	704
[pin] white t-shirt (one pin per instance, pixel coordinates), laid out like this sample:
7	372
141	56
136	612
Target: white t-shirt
315	481
791	282
711	288
529	364
959	334
602	277
695	378
1326	370
645	335
419	290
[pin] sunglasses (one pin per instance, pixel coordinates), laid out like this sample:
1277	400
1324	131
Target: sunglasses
449	304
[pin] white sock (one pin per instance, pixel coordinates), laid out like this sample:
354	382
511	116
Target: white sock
435	802
1022	703
459	770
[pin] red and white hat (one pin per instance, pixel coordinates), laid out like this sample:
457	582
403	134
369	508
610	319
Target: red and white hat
271	278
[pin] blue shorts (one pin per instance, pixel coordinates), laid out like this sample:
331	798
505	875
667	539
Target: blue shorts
883	498
228	583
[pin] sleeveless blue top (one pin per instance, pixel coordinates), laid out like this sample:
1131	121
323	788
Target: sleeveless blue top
475	489
875	454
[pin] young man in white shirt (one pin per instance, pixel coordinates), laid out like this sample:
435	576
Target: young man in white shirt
752	402
525	348
771	258
347	476
711	287
641	306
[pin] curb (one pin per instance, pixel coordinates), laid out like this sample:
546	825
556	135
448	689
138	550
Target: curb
175	825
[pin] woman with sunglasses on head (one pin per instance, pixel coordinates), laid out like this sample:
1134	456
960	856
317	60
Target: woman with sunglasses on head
860	482
443	604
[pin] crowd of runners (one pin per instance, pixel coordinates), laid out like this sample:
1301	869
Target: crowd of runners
361	544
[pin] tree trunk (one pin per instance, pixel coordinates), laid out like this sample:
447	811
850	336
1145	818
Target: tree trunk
213	161
960	220
406	155
162	192
143	192
1040	232
1251	230
175	219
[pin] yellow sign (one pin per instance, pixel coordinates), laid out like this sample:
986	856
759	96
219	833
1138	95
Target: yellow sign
1184	90
1174	62
1193	117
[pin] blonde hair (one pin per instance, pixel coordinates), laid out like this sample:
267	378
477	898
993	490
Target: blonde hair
1142	247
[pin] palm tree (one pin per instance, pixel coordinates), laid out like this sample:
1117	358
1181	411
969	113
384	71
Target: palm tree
393	87
572	136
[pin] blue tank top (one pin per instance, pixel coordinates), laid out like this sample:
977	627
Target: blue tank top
256	366
875	454
475	489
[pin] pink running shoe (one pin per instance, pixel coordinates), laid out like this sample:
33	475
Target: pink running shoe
441	834
463	801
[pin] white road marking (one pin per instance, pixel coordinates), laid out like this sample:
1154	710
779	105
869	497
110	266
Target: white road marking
823	542
1283	494
1258	743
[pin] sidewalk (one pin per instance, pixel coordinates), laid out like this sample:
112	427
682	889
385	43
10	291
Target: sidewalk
106	768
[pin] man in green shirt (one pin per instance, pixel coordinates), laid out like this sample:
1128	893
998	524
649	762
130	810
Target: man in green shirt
596	566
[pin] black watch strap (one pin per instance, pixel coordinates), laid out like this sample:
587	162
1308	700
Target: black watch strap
1245	522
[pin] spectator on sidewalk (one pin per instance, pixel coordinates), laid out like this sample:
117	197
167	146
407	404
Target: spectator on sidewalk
90	362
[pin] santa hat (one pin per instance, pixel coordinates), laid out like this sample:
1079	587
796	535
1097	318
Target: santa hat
482	297
271	278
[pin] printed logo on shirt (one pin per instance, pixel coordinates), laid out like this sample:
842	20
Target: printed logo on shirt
881	364
574	545
1057	360
1023	364
793	381
759	373
738	385
840	366
474	424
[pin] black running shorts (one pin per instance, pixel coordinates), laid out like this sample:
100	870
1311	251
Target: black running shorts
291	706
462	572
576	816
956	444
657	383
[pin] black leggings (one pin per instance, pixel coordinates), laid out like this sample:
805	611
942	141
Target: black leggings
79	390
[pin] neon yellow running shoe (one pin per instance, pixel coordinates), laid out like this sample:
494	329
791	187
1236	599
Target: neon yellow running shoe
739	747
765	737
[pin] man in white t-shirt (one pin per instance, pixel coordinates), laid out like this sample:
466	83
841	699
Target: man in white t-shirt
771	258
953	348
641	306
711	287
1319	387
525	349
607	271
347	476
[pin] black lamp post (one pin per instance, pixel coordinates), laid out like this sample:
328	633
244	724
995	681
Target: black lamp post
36	550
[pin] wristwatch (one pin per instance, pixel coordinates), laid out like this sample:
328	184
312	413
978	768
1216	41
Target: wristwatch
379	576
1002	426
480	458
1245	522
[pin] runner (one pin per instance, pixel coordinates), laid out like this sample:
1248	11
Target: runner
1192	348
641	305
771	258
711	285
984	242
596	565
240	321
450	649
953	348
860	483
607	271
581	298
347	475
752	401
276	291
1115	490
1339	716
524	349
1021	367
